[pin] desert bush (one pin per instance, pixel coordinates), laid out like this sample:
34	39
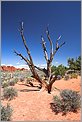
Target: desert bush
29	81
59	77
21	79
9	93
6	113
56	105
66	77
74	75
30	78
16	80
12	82
72	98
5	84
69	101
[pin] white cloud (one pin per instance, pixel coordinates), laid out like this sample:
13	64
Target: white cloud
56	62
9	65
6	65
17	63
42	65
22	66
3	64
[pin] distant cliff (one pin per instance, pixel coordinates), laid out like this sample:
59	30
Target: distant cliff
11	68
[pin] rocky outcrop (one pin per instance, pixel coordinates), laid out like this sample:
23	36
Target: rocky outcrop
10	68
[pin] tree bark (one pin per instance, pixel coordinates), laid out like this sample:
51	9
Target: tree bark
49	87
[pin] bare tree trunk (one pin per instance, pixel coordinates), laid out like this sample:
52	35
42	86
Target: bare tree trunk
49	87
49	68
36	76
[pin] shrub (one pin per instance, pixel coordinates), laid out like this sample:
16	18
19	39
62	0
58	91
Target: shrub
56	106
5	84
66	77
9	93
21	79
6	113
74	75
72	98
12	83
69	101
59	77
16	80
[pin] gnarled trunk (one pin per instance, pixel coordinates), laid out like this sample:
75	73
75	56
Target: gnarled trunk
49	87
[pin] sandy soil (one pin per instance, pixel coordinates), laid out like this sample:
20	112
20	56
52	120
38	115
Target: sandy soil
32	104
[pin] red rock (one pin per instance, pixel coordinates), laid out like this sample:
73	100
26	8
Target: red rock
10	68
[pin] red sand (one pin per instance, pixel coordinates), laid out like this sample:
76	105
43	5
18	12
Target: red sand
35	105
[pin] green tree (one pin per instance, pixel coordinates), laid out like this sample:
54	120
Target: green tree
60	70
74	64
53	68
78	63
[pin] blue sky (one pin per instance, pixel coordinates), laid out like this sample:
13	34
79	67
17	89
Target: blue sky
64	18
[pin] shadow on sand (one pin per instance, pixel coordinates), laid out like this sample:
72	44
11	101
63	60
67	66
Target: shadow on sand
28	90
29	85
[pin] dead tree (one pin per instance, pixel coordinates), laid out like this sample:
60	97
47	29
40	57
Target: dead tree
50	77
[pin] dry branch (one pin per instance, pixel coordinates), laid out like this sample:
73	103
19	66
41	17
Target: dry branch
25	59
44	49
57	47
51	44
24	42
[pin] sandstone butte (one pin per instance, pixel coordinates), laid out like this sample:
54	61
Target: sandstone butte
11	68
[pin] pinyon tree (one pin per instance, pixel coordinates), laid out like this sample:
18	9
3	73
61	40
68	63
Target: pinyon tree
50	77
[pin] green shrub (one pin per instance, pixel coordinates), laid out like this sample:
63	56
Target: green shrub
5	84
69	101
74	75
9	93
6	113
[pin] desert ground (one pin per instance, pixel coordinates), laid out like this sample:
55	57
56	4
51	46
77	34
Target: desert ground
32	104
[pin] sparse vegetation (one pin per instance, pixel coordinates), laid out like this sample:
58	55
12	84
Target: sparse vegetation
56	106
5	84
74	75
69	101
21	79
6	113
66	77
9	93
12	82
15	80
